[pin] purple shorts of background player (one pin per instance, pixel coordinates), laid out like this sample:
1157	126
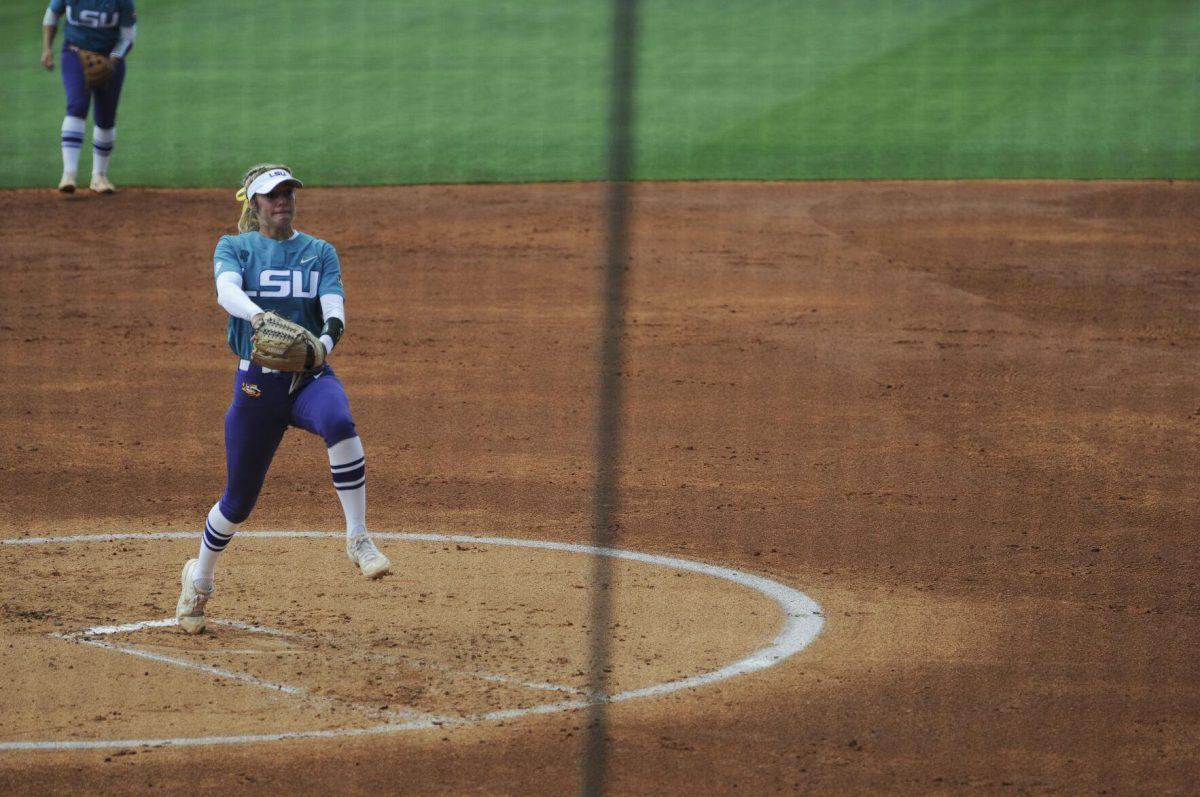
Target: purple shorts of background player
103	100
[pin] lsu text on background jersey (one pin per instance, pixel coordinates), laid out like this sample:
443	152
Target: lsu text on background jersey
287	277
95	24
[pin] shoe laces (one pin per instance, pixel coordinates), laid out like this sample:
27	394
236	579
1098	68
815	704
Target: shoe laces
199	599
364	547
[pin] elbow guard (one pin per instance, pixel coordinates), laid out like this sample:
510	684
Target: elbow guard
334	329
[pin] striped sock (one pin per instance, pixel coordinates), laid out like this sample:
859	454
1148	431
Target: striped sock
217	533
72	143
102	147
348	465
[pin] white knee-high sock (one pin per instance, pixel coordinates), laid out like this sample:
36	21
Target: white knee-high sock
348	465
102	147
217	533
72	142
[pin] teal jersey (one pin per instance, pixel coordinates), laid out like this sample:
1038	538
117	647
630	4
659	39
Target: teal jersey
288	277
95	24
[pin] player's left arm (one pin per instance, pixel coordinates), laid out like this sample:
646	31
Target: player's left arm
333	299
128	30
333	308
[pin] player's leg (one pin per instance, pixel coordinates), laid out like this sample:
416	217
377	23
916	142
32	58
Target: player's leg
348	467
75	121
104	135
253	432
254	426
323	408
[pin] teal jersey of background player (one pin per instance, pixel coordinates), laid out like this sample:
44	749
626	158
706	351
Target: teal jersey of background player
95	24
288	277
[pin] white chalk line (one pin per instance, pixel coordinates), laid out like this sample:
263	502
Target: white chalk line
803	622
208	669
102	630
83	637
505	679
412	663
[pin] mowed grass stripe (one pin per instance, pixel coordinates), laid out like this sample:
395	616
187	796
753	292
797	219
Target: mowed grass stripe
453	91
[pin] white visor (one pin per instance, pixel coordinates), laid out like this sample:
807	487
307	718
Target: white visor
265	183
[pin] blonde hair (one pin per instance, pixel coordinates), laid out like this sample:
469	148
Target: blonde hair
249	218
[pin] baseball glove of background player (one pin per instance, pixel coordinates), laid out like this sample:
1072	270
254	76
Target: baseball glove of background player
98	68
285	346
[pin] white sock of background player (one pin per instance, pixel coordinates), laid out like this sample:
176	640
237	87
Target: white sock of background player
102	147
347	465
217	533
72	143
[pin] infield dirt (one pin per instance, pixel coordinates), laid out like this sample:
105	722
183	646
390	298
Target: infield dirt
962	417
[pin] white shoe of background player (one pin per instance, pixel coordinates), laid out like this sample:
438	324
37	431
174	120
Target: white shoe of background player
363	553
67	183
189	611
102	185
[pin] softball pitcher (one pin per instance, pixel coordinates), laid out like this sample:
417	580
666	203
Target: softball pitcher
282	287
99	35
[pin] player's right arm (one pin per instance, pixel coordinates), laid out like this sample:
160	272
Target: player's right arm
228	274
49	28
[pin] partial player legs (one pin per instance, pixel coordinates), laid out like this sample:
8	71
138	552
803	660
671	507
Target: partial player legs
362	551
348	467
323	409
72	144
197	579
104	135
189	609
102	147
347	463
254	426
253	429
218	531
78	101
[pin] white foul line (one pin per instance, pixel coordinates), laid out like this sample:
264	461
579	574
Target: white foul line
804	621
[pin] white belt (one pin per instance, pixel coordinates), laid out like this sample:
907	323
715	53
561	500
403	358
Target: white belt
244	365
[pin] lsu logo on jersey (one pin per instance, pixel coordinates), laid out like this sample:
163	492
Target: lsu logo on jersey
88	18
282	283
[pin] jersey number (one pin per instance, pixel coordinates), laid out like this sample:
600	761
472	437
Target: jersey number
279	284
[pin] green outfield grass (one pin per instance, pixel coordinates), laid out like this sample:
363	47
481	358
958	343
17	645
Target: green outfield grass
426	91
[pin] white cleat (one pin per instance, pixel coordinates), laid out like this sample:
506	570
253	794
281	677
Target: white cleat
102	185
67	184
369	559
189	611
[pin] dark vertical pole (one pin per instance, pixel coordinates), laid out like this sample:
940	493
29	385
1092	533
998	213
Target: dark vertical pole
608	427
